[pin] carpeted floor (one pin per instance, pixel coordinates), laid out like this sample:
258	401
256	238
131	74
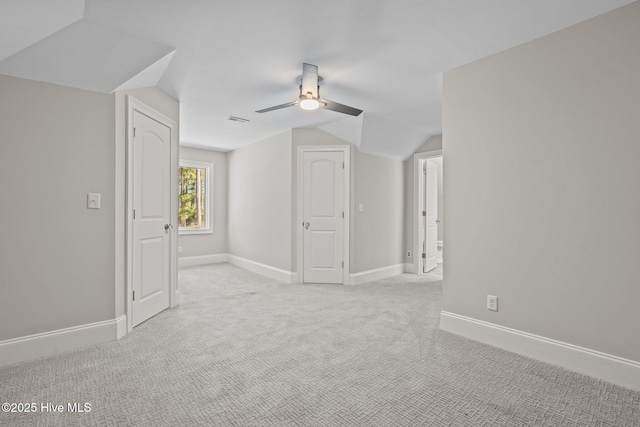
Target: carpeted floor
243	350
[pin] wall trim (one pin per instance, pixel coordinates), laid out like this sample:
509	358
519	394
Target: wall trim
121	326
376	274
54	342
607	367
417	201
202	260
263	269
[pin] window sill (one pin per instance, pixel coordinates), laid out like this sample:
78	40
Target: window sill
187	232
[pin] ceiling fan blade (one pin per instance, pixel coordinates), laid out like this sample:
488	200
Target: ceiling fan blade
309	80
277	107
340	108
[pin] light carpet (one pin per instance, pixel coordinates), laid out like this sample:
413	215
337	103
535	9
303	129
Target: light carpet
243	350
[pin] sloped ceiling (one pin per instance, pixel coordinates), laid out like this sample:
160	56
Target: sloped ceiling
233	58
87	55
23	23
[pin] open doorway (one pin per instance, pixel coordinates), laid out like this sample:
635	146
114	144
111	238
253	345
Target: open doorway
430	213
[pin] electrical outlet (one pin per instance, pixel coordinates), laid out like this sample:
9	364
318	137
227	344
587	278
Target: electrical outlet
409	254
492	303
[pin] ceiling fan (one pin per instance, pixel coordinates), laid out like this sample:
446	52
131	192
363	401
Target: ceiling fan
310	95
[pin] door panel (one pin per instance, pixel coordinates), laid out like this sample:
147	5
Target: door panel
430	257
150	276
323	192
323	246
152	207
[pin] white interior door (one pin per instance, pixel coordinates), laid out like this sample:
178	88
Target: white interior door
152	217
323	217
430	252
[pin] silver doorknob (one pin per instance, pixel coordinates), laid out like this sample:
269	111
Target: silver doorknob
168	227
438	221
306	225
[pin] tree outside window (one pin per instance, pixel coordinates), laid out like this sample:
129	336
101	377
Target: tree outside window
194	204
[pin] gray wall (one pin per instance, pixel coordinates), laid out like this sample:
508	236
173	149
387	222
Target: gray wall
542	206
260	202
216	242
314	136
379	187
56	256
433	144
376	235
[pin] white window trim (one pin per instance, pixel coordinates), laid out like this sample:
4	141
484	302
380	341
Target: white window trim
208	229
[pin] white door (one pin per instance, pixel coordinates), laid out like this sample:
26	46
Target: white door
430	252
152	217
323	217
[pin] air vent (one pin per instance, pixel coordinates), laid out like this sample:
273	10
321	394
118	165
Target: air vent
238	119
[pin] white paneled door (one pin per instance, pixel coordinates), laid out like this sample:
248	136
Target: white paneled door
323	217
430	250
152	217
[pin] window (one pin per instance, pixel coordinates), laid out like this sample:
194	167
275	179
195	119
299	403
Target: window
194	197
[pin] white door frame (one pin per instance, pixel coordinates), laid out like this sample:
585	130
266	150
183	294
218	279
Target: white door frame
135	105
418	158
345	149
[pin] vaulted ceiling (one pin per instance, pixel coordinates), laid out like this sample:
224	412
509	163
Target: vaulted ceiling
231	58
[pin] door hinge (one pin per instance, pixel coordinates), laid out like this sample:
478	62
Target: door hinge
134	214
342	264
134	132
424	256
424	213
134	295
342	165
342	214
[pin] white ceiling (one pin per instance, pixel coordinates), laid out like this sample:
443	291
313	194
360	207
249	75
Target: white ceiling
222	58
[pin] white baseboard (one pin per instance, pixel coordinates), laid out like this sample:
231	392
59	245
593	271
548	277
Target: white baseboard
376	274
177	298
121	326
263	269
202	260
600	365
50	343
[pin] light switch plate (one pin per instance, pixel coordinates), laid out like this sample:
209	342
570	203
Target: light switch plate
492	302
93	200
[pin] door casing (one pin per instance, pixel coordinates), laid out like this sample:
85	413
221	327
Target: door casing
414	266
136	105
345	149
429	195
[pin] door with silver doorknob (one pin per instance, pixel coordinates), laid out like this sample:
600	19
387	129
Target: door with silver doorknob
323	217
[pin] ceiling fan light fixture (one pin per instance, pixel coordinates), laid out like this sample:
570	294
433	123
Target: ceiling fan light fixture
309	98
309	104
